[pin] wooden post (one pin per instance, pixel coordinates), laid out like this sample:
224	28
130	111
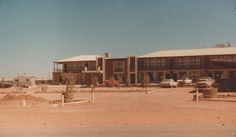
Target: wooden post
23	102
197	94
92	93
62	100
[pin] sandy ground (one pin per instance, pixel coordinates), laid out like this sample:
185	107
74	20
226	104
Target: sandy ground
164	108
122	131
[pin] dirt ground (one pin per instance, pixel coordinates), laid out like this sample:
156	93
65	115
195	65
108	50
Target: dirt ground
161	107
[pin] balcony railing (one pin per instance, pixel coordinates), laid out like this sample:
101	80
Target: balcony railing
58	70
74	70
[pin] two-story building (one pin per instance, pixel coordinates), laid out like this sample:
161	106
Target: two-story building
84	67
218	63
81	68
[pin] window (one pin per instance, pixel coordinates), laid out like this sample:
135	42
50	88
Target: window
72	67
188	61
194	75
183	62
149	63
92	66
234	58
194	61
118	66
223	58
197	61
80	66
160	62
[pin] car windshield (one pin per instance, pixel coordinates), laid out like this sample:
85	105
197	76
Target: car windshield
167	80
202	80
206	78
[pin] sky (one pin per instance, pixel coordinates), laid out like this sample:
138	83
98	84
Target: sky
34	33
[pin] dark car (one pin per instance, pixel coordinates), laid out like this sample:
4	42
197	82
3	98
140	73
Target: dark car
227	85
5	84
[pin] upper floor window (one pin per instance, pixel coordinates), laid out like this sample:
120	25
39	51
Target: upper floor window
183	62
195	61
160	62
81	66
118	66
224	58
92	66
71	67
188	61
149	63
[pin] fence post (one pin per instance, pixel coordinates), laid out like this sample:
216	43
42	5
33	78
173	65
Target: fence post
62	100
197	94
23	102
92	94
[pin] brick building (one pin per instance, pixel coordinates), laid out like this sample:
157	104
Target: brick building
84	67
81	68
219	63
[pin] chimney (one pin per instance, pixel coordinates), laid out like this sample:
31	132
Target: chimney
107	55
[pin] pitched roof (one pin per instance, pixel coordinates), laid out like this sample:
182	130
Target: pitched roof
192	52
79	58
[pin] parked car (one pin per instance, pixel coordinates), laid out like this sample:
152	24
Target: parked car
5	84
22	81
227	85
185	81
205	82
168	83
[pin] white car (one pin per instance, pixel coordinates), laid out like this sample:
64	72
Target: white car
205	82
185	81
168	83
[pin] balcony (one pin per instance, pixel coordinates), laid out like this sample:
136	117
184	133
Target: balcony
58	70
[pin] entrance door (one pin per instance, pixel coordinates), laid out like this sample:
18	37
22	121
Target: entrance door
159	76
150	75
132	78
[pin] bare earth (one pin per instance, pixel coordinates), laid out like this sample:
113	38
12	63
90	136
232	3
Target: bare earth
164	112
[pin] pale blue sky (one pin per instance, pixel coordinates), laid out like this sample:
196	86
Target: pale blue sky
34	33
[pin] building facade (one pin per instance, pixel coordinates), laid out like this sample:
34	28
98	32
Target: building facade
218	63
83	68
80	69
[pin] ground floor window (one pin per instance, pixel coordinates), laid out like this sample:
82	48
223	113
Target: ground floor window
232	75
194	75
159	76
150	76
218	75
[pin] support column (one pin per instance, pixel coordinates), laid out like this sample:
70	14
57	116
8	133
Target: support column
54	67
104	70
128	70
136	70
